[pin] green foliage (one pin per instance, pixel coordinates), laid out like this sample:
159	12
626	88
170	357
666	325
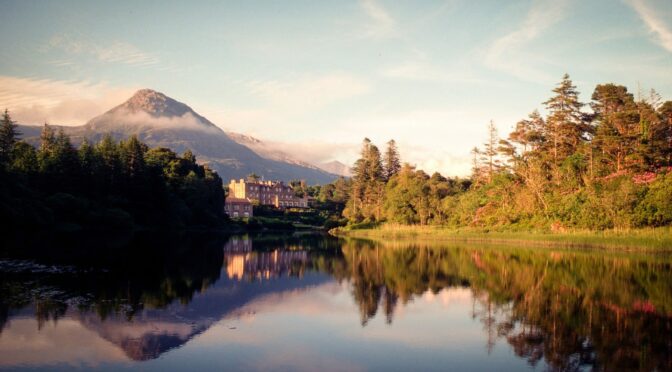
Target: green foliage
571	169
107	185
656	207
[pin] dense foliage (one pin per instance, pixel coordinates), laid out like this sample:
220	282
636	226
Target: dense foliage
105	185
608	168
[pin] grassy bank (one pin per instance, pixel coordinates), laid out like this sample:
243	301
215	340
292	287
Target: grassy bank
649	239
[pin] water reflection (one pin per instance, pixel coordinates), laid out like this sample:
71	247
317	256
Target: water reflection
146	296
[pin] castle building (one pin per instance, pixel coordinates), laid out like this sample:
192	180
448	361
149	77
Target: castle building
274	193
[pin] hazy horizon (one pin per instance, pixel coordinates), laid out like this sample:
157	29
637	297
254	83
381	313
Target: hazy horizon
319	77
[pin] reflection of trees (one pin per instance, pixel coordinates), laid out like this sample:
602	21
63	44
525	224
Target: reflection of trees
146	272
573	309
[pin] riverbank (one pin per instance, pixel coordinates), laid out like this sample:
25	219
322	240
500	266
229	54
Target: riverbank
648	240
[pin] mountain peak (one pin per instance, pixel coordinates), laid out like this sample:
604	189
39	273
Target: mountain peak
155	103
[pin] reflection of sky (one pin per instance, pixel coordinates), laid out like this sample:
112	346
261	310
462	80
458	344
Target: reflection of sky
302	328
319	329
66	342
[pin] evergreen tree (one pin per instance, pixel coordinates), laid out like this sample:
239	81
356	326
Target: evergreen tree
617	126
133	157
391	161
8	137
567	128
489	154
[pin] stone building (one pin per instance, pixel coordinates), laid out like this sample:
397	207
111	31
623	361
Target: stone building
237	207
275	193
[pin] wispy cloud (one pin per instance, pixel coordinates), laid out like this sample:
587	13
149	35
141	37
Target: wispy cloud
381	23
423	71
309	92
112	52
35	101
508	54
661	31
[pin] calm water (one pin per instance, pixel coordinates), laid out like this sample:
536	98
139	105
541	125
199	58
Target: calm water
309	302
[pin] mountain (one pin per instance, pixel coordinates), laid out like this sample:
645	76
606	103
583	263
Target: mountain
159	120
264	150
273	152
336	167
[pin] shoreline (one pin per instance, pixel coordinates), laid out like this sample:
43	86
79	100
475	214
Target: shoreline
651	240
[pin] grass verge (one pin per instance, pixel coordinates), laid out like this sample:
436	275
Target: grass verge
647	240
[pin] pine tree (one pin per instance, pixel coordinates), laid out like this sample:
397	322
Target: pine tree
8	137
618	127
391	161
133	157
489	153
566	124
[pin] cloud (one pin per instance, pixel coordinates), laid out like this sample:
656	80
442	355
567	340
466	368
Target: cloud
426	72
381	23
507	53
112	52
307	93
661	31
62	102
433	139
141	119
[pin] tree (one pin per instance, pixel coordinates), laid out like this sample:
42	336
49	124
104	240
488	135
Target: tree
617	129
133	156
24	158
566	124
253	177
8	137
391	162
489	153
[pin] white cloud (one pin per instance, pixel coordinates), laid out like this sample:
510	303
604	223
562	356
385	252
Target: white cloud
508	54
381	23
436	139
62	102
112	52
654	22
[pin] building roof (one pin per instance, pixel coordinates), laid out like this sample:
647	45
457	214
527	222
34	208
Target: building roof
237	201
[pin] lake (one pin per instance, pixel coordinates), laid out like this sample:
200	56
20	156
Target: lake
314	302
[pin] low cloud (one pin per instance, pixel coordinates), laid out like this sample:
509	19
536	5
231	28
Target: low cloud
142	119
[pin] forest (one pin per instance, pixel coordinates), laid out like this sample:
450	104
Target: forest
106	185
608	167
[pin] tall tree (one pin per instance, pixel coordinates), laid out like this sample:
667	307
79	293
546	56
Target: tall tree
8	137
489	153
617	126
391	161
567	127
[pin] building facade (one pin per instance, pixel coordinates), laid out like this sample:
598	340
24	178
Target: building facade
238	208
274	193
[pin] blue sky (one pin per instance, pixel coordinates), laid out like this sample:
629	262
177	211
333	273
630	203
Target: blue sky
316	77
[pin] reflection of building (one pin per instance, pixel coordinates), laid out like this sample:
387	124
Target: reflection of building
274	193
235	207
243	263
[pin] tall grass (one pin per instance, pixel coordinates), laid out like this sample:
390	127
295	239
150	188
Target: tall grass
646	239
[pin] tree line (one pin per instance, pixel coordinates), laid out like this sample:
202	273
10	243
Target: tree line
108	184
608	167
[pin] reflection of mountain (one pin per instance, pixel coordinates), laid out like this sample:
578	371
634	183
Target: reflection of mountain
551	307
153	332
